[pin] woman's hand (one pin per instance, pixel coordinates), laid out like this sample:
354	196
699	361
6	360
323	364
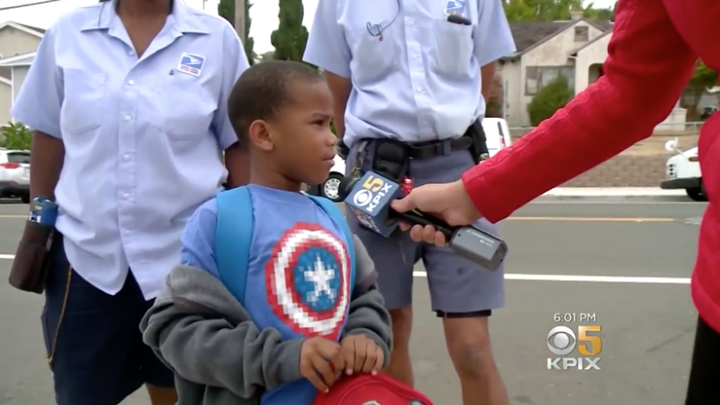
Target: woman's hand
449	202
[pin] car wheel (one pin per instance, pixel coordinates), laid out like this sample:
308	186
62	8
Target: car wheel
696	194
331	187
25	199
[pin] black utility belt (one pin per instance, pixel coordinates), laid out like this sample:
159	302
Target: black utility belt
431	149
391	158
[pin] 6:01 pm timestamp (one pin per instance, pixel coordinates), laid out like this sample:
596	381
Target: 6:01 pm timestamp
572	317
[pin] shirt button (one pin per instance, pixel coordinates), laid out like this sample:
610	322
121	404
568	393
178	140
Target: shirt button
126	157
131	53
416	56
128	118
411	22
131	82
127	232
126	196
419	89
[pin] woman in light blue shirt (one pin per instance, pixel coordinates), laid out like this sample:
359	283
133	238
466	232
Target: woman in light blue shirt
128	102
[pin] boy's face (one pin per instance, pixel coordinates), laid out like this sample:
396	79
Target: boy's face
304	145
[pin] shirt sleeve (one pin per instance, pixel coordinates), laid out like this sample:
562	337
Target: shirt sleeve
198	239
235	63
648	65
326	46
492	36
41	96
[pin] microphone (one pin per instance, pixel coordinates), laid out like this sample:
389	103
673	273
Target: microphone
369	199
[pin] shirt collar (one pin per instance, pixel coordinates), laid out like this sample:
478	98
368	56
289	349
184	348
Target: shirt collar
182	19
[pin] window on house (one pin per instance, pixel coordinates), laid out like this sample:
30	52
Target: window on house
582	34
536	77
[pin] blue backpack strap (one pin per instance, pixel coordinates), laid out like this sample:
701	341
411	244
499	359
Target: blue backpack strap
233	236
335	213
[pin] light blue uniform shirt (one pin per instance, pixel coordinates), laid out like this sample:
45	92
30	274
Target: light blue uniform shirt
421	82
143	136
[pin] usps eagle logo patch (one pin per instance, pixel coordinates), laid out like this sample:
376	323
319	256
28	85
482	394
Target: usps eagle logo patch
456	7
191	64
307	281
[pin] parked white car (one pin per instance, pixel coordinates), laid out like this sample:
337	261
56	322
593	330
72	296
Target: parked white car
496	132
683	172
15	174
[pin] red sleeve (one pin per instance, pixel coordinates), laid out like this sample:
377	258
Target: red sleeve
646	70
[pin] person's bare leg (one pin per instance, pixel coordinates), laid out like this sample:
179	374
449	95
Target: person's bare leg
468	343
162	395
400	366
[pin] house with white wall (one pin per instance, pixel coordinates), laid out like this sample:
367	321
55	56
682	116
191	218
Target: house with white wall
575	49
18	43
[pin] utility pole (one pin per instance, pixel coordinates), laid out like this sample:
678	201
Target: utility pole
240	19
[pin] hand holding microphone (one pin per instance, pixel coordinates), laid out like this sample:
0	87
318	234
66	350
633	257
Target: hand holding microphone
449	202
370	198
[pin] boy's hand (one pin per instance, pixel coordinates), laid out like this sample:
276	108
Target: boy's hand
321	362
361	354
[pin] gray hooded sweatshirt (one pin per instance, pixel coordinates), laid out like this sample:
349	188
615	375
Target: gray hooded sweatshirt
202	333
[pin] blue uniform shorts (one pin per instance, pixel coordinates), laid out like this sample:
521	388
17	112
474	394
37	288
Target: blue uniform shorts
458	288
93	340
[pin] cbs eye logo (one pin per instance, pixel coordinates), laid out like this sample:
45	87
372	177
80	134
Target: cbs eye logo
362	198
561	341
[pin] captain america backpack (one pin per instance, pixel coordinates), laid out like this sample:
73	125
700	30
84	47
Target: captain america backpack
233	236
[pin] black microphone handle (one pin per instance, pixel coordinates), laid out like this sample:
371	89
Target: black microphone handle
420	218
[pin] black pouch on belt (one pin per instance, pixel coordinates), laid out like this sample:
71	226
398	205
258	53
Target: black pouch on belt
30	267
391	159
478	148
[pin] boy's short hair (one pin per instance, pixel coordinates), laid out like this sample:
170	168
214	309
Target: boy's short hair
262	90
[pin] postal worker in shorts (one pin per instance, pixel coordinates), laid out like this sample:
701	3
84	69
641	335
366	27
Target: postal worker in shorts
409	80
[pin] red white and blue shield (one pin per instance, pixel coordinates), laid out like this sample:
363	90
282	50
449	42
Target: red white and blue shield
307	281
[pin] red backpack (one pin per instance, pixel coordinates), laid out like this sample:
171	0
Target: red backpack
366	389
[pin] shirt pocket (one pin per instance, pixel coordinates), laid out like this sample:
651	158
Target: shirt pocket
372	59
453	48
83	101
186	106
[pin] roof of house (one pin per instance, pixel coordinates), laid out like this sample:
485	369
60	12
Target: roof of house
528	35
31	27
38	32
587	44
24	59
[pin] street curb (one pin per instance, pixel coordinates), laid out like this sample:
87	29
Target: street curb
614	193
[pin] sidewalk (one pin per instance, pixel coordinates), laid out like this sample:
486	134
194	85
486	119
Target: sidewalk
651	193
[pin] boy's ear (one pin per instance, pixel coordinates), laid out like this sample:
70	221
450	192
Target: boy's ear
259	134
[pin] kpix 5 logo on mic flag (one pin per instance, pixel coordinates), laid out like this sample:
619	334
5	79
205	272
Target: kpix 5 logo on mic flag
307	281
375	190
369	200
371	184
562	341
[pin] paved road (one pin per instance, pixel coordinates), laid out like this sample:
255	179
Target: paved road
647	324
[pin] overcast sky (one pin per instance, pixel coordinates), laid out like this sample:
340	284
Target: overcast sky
263	13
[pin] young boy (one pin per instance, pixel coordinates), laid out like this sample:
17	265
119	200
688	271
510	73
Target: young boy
302	325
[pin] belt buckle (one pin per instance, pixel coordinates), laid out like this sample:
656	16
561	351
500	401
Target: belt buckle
446	147
442	148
